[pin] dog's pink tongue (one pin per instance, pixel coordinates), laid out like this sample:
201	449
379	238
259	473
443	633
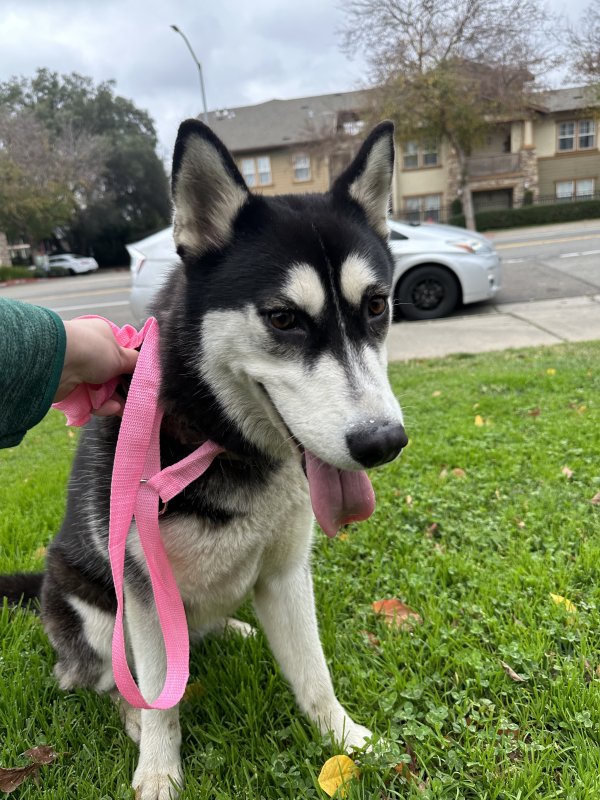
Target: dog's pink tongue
338	496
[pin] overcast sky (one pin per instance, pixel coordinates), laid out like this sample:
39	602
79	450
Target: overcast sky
251	50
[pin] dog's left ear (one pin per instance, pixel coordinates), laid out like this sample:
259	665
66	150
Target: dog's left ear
208	190
368	179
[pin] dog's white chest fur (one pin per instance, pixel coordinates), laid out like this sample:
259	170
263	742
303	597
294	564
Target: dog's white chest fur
215	569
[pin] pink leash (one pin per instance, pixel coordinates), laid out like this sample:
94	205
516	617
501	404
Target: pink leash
137	484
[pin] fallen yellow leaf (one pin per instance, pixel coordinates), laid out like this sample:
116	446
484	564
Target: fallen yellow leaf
437	393
479	421
562	601
336	773
551	371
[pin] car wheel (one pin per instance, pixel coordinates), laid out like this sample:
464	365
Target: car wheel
427	292
72	271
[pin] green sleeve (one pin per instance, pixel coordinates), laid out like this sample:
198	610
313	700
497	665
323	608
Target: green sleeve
32	354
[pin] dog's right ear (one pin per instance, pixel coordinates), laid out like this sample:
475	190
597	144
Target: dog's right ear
208	190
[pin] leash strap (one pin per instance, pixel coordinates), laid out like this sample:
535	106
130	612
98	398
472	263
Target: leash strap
137	484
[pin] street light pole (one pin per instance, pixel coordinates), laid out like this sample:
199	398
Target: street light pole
199	65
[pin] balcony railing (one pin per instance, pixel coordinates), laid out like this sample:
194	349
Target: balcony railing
493	165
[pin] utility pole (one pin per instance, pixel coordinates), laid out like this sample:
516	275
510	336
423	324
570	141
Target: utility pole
199	65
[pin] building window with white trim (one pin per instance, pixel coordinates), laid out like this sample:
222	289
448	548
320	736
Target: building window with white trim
576	135
248	171
301	163
410	155
587	134
430	154
426	208
582	189
263	164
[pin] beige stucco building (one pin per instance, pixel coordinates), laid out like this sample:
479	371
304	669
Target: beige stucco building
549	152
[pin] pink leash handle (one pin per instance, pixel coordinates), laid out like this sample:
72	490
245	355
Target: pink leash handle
137	483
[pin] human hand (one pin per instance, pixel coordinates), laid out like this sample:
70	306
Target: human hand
93	356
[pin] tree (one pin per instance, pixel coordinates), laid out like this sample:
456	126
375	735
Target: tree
35	190
106	148
583	42
447	69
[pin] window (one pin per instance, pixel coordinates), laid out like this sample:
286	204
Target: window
587	134
415	155
264	170
582	189
430	154
248	171
411	155
301	164
423	209
257	171
576	135
564	190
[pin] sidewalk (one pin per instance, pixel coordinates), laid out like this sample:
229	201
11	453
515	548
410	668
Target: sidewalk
571	319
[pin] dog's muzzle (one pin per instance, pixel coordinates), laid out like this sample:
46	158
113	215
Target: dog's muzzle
376	443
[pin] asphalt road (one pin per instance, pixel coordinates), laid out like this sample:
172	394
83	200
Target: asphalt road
547	262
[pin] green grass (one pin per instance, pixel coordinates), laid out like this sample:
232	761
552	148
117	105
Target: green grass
476	554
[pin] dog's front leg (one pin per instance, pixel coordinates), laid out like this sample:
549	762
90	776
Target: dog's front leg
158	774
286	609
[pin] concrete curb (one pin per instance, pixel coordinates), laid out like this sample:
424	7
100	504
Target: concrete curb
512	325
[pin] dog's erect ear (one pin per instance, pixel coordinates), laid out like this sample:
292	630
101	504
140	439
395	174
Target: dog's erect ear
368	179
208	190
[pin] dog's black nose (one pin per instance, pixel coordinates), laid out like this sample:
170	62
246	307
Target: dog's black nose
376	443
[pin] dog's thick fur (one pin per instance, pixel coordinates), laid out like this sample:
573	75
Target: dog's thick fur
273	336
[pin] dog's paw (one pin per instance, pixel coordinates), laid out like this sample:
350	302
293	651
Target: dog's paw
238	627
151	785
355	737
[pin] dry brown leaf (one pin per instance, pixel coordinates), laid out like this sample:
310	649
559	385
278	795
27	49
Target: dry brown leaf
512	733
595	501
431	530
514	676
520	523
11	779
567	472
408	500
437	393
335	775
444	473
43	754
534	412
372	640
459	473
397	614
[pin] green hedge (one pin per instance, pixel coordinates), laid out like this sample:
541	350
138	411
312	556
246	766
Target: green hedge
531	215
14	273
10	273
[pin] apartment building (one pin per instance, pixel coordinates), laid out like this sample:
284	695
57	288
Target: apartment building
550	152
299	145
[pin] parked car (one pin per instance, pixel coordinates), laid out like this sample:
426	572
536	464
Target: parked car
74	264
438	267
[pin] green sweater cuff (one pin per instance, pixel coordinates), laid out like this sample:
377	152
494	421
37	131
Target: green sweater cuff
32	356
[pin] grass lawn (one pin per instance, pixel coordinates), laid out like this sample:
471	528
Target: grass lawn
486	515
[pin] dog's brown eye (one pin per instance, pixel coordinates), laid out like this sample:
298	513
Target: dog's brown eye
283	320
377	306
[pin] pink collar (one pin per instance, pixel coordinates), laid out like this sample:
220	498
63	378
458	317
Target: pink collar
137	484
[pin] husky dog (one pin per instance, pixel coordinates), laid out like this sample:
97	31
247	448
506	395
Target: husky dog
273	333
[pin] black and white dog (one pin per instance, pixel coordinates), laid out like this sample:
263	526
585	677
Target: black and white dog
273	335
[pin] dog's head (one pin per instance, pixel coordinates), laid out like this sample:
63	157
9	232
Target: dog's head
284	304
